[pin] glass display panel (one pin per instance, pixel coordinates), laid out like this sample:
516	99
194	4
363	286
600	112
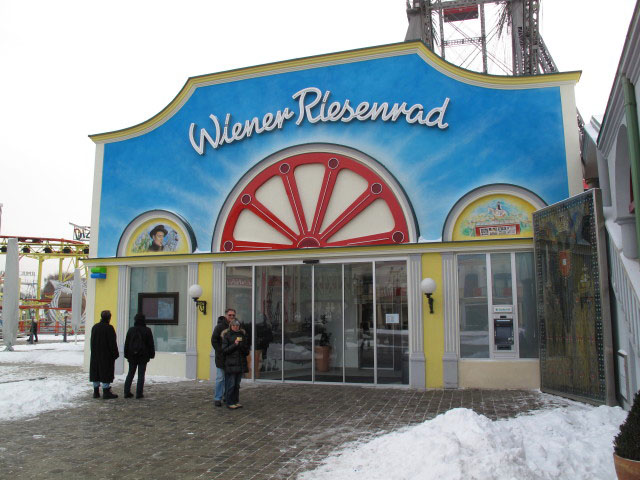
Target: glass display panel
268	337
527	321
327	338
154	280
298	345
358	323
501	279
392	322
473	306
159	308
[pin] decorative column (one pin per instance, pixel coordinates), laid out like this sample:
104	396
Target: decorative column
123	315
417	366
217	308
192	324
449	295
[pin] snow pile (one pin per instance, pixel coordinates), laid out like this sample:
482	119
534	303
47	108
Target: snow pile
28	398
52	353
569	442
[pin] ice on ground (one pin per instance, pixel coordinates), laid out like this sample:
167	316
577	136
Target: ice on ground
575	441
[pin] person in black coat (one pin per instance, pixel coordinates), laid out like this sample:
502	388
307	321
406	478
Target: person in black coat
104	351
139	348
236	345
216	343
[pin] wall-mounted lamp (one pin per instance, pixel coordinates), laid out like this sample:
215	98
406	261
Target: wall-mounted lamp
428	286
195	291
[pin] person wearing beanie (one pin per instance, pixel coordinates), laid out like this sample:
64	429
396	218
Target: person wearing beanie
216	343
104	351
139	348
236	345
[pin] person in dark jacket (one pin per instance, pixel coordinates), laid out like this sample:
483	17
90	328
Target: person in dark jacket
34	332
104	351
236	345
139	348
216	343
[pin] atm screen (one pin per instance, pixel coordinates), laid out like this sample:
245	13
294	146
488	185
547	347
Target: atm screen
503	337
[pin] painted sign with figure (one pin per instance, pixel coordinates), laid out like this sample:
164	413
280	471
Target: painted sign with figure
367	147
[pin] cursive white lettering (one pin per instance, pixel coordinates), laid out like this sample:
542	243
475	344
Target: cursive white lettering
314	107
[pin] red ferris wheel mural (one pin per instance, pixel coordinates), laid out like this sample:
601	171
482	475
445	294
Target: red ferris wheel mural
311	200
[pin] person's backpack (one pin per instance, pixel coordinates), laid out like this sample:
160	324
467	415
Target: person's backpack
137	343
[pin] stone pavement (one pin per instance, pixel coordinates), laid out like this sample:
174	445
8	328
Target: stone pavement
175	432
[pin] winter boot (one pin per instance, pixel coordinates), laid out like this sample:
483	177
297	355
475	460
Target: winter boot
128	395
96	392
106	393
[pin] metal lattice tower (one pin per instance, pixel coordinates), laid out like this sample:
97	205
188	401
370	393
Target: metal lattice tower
445	25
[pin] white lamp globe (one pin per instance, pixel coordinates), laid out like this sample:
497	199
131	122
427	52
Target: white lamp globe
195	291
428	285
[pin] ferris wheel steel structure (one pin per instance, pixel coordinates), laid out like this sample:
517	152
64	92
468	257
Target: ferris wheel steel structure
42	249
529	54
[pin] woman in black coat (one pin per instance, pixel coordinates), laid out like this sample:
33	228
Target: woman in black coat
236	345
139	348
104	351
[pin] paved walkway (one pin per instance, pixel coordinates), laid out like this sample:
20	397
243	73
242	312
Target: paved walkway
175	432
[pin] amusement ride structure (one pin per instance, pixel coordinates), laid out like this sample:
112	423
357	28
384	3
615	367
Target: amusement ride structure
492	36
69	255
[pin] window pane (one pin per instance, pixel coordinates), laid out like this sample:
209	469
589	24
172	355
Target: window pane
392	323
474	317
168	338
327	338
358	322
238	294
298	347
501	278
527	324
268	343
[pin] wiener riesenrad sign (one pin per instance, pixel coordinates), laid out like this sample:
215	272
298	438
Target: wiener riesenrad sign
314	107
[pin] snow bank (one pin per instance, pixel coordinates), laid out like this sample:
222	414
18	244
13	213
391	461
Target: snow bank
567	442
52	353
26	398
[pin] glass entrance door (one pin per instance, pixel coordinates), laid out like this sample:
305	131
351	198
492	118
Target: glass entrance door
328	325
320	323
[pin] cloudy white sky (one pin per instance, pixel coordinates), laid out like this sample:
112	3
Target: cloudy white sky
71	68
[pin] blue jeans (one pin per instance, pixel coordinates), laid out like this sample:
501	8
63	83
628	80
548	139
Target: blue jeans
219	392
104	385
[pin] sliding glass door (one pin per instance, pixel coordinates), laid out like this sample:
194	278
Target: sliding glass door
330	322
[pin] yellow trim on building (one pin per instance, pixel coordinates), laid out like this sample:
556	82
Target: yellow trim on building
433	324
107	296
405	48
204	325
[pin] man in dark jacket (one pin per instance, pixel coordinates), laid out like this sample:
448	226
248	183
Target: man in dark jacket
236	345
139	348
104	351
216	343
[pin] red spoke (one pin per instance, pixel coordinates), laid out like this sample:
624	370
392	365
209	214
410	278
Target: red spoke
378	238
267	215
328	182
242	245
291	187
358	205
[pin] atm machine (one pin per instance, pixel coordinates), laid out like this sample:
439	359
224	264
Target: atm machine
503	331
